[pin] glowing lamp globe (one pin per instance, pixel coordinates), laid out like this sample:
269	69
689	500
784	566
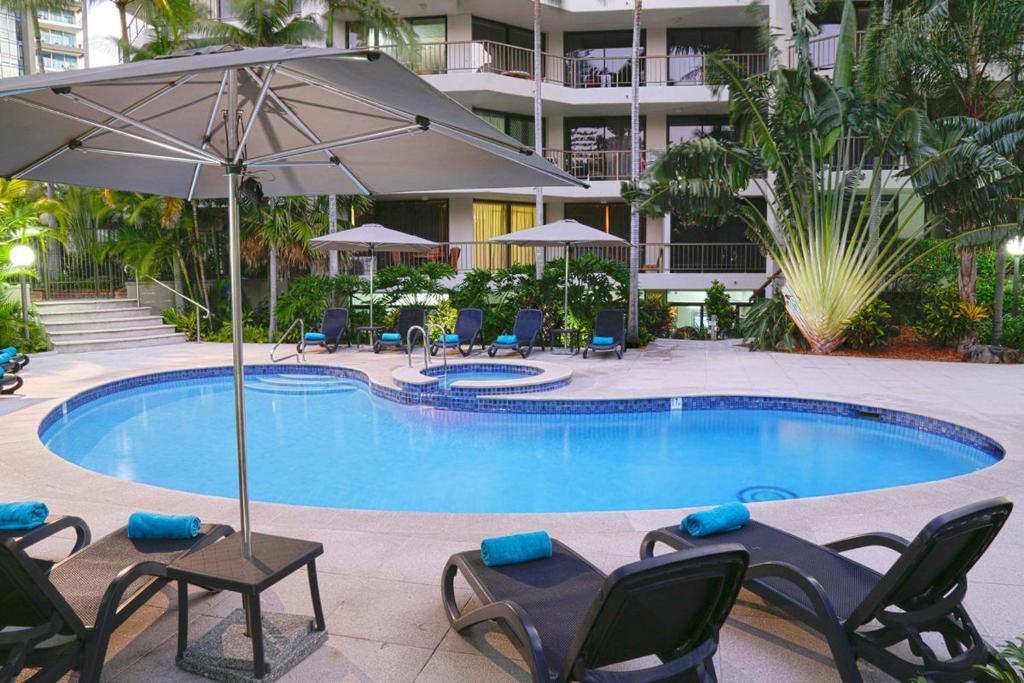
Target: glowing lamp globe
1015	247
22	256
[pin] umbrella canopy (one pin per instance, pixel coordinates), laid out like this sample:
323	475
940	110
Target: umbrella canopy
299	121
372	238
567	233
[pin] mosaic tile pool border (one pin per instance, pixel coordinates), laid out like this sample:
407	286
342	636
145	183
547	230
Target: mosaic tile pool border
496	404
511	369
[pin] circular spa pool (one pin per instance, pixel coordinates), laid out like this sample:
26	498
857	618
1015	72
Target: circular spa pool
329	439
507	373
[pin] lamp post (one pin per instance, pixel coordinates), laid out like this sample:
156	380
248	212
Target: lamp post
1015	248
23	256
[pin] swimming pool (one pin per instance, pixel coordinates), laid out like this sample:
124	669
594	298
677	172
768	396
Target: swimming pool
329	441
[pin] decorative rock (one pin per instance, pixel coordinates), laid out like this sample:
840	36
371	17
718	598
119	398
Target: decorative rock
988	353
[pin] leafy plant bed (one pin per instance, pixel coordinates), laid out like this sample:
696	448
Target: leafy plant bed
907	345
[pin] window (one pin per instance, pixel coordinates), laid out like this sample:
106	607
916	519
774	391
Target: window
424	218
600	133
688	46
732	230
497	32
517	126
59	16
54	37
613	218
683	128
54	61
427	30
492	219
600	58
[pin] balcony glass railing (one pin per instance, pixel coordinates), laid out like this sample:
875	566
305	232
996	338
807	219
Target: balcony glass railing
599	165
484	56
60	17
682	257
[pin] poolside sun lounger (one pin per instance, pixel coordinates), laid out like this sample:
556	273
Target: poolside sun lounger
333	328
62	620
53	525
610	325
11	360
863	613
9	382
525	333
408	318
469	330
569	620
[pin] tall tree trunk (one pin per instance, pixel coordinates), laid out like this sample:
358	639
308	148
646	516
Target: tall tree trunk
332	226
40	60
875	215
122	15
538	125
997	294
272	276
200	256
176	276
633	326
968	278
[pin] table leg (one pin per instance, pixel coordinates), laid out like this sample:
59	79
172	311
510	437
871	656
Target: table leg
255	623
182	617
314	592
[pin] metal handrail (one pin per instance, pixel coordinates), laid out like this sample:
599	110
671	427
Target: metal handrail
444	346
138	297
408	345
300	354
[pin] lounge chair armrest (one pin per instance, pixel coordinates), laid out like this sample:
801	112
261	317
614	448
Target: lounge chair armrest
880	538
819	599
82	534
111	600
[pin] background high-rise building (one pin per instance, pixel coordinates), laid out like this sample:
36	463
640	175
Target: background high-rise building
63	36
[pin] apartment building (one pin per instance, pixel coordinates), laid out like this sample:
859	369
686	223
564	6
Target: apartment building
63	35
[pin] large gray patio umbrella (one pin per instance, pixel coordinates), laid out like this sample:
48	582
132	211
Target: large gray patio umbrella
297	120
567	233
371	237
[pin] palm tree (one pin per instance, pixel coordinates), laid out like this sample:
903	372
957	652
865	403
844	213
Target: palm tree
263	23
156	14
169	31
633	325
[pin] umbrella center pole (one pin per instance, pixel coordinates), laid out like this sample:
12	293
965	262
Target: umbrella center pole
566	296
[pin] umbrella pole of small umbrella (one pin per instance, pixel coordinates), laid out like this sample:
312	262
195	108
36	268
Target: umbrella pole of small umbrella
373	268
566	291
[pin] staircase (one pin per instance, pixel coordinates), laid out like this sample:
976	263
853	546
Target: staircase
100	324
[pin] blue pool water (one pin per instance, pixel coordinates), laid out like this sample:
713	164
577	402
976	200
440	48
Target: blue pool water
326	441
444	382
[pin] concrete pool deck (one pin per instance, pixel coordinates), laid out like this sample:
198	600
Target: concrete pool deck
380	574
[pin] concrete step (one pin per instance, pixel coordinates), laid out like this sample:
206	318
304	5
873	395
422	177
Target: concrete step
84	305
104	322
48	318
107	333
86	345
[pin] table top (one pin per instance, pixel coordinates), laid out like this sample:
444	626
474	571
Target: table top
221	565
362	328
565	330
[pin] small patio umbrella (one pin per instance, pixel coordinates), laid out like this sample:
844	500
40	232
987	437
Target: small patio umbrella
567	233
296	120
371	237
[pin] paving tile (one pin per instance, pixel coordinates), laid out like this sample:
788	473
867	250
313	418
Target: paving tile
445	667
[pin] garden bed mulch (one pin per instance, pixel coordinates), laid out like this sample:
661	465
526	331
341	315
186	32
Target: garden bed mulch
907	345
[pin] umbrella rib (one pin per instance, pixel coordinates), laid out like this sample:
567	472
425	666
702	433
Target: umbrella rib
74	144
144	155
377	136
209	131
260	99
53	154
313	137
183	145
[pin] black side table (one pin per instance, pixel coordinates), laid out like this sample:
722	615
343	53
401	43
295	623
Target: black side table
370	331
573	337
221	566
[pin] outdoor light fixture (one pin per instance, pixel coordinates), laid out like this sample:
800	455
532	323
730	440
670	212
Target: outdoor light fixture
1015	248
23	256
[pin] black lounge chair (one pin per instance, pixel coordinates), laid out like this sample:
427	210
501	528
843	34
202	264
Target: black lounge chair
526	331
54	524
610	324
333	328
568	619
408	317
9	382
469	329
64	618
863	613
15	360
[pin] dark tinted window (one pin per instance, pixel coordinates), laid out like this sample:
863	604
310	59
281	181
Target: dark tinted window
600	133
683	128
495	31
612	218
427	219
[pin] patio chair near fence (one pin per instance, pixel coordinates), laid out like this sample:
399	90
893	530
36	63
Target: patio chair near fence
408	317
863	613
469	331
9	382
525	333
609	334
333	329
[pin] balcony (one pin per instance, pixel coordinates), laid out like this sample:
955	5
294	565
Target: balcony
823	50
681	257
598	165
484	56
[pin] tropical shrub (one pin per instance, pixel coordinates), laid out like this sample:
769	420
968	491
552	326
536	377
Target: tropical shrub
251	334
402	285
718	304
309	296
869	329
12	330
183	322
945	319
1008	666
657	318
443	314
768	327
1013	331
594	284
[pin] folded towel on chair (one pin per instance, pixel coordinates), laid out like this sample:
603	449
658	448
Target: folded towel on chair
26	514
507	339
451	339
517	548
315	336
728	517
142	525
10	350
5	357
603	341
391	336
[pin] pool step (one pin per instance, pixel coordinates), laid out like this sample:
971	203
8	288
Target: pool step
79	325
299	384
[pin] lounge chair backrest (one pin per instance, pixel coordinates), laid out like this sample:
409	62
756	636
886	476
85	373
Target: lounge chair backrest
27	598
468	322
936	560
660	606
408	317
611	322
335	322
528	323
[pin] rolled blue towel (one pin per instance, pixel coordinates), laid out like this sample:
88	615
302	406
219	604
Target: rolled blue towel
391	336
315	336
153	525
10	350
2	373
26	514
507	339
728	517
451	339
5	357
603	341
514	549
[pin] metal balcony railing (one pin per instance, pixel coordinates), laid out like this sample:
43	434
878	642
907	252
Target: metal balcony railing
485	56
823	49
599	165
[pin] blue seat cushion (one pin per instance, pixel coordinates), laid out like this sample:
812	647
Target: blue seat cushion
10	351
5	357
508	339
315	336
603	341
391	337
451	339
